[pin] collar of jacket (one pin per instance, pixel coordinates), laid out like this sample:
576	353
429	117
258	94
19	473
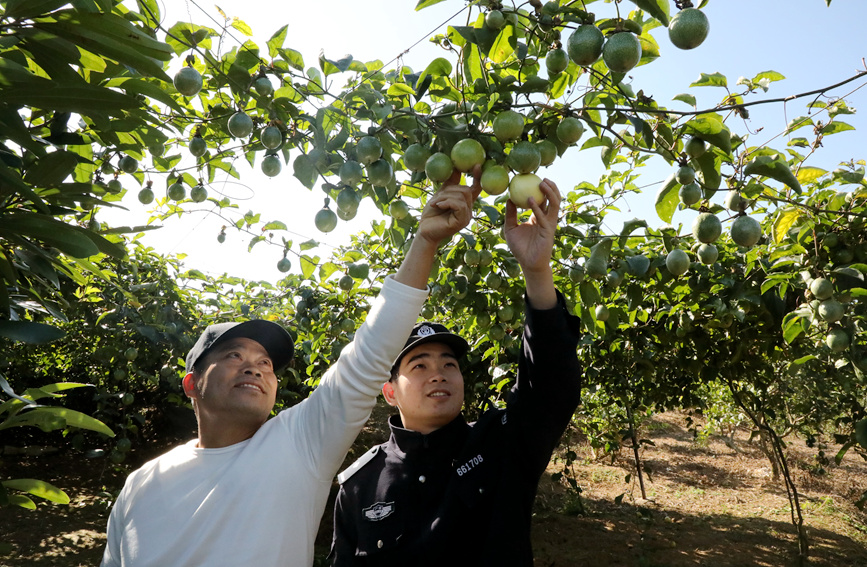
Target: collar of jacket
445	442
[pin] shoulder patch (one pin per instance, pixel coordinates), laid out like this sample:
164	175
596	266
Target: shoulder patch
358	464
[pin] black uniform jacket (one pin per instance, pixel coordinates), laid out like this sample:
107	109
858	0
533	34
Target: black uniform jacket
463	494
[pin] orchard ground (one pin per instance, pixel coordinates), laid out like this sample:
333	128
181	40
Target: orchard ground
710	503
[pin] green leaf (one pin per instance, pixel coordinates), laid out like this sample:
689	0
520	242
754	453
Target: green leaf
30	332
276	42
649	49
589	293
687	98
308	265
274	225
712	80
69	239
292	57
775	168
49	418
836	127
308	245
38	488
785	220
27	9
305	171
400	89
327	269
68	98
51	169
151	90
709	164
242	27
439	67
504	45
628	228
472	63
330	67
794	324
22	501
659	9
799	122
810	174
712	130
422	4
804	359
769	75
667	199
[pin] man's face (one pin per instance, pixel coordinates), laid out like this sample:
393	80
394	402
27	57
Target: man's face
236	385
429	388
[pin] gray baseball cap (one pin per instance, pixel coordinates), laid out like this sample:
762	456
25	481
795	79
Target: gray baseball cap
273	337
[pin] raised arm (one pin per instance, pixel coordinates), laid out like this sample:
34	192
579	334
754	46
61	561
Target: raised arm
336	411
448	211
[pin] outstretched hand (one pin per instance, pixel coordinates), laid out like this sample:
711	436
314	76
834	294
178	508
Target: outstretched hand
450	209
533	241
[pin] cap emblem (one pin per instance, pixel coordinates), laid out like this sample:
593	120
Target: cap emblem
426	331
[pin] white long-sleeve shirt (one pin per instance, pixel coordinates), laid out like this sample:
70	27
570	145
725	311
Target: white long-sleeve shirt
259	502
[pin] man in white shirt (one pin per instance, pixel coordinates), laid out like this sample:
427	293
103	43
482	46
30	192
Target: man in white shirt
249	490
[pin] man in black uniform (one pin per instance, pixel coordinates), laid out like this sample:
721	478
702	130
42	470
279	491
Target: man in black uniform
444	492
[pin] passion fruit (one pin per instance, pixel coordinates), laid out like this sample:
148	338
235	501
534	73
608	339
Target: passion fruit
707	253
585	45
524	157
570	130
271	165
688	28
746	231
351	173
467	154
198	146
188	81
495	180
622	52
368	150
271	137
128	164
706	227
690	194
556	61
438	167
240	125
379	173
508	125
415	157
524	186
325	220
198	193
677	262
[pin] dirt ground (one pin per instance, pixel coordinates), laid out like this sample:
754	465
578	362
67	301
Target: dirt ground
707	505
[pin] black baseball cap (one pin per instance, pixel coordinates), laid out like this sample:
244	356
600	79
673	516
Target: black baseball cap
273	337
432	333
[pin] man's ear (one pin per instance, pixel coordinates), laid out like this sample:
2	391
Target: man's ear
189	383
388	394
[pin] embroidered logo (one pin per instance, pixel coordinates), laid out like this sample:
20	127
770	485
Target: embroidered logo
379	511
425	331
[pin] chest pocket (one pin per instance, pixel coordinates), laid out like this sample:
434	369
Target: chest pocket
475	480
380	529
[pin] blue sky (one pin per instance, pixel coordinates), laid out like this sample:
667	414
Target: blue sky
812	45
